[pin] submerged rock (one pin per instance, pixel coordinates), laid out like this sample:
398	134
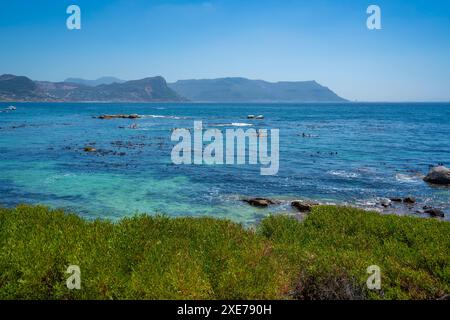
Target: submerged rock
89	149
119	116
259	202
409	200
303	206
385	202
435	212
252	116
438	175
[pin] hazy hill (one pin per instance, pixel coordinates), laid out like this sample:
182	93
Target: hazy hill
13	88
245	90
96	82
18	88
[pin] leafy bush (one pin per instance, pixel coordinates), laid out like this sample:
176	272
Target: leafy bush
156	257
330	252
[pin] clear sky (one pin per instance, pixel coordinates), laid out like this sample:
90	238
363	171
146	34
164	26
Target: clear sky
322	40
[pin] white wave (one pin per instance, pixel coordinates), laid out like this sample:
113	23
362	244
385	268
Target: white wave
367	202
407	178
344	174
233	124
241	124
155	116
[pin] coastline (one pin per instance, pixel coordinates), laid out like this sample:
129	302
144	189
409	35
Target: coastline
342	154
234	103
399	206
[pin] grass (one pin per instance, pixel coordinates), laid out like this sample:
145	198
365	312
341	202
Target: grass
145	257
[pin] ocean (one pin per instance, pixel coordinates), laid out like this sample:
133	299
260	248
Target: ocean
346	153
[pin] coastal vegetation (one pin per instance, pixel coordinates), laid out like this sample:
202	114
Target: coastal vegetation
324	256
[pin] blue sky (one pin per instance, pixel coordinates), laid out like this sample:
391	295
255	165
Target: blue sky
322	40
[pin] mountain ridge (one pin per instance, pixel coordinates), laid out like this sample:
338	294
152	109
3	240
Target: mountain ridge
95	82
156	89
23	89
238	89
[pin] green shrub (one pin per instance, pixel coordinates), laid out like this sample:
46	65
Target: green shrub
335	245
156	257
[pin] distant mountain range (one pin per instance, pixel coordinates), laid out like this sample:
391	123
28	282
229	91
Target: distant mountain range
19	88
155	89
245	90
97	82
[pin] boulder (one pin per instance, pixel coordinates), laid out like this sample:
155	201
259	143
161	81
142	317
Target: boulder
435	212
252	116
438	175
396	199
259	202
385	202
409	200
303	206
119	116
89	149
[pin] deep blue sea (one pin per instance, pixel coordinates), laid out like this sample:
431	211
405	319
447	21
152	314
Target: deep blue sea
349	154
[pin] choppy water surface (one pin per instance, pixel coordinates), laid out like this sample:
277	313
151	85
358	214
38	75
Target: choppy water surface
349	153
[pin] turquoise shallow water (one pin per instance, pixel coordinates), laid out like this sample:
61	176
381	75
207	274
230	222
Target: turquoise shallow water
382	151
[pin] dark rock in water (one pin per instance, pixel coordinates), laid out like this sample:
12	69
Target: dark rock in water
385	203
438	175
303	206
89	149
252	116
19	126
259	202
396	199
119	116
409	200
435	212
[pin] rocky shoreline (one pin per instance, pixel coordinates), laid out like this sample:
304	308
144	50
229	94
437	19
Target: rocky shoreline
437	176
118	116
406	205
